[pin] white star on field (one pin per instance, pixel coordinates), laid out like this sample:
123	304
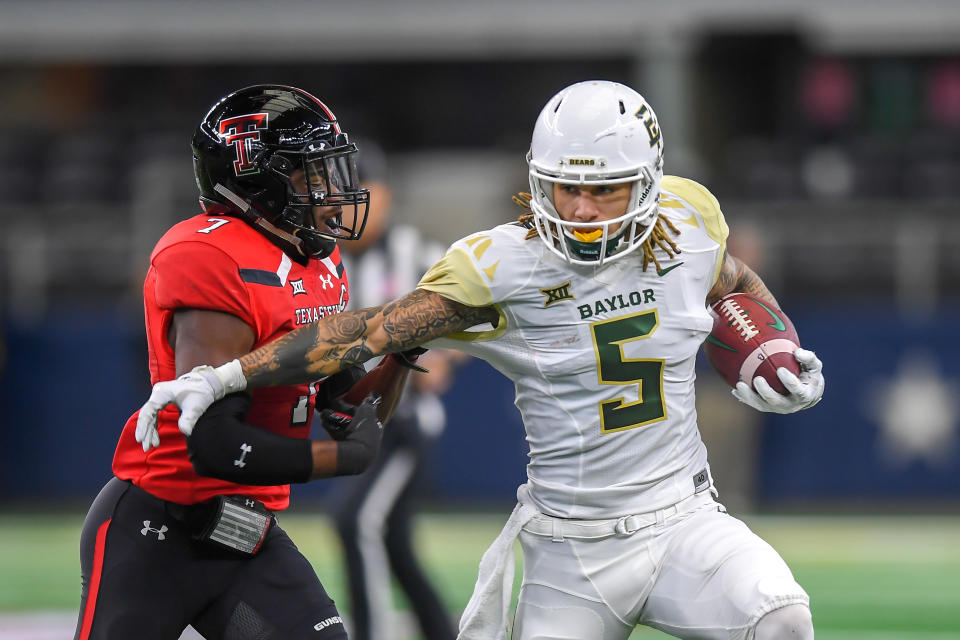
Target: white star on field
918	412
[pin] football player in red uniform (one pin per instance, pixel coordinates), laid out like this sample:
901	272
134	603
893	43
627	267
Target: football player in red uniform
184	534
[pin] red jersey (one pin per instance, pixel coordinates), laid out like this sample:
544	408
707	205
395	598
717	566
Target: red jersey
223	264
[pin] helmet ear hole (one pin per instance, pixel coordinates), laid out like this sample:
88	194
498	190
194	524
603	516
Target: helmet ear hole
280	163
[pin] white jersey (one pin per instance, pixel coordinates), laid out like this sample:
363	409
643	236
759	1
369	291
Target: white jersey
602	358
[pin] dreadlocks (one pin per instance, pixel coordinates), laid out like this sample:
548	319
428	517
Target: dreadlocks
659	238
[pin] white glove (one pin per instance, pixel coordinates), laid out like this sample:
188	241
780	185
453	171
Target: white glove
193	392
805	389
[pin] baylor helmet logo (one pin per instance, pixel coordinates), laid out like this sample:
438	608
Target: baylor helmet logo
557	294
653	129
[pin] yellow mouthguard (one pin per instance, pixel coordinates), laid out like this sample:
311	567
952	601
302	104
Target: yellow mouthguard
587	236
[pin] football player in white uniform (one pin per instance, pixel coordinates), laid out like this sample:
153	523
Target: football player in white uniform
594	303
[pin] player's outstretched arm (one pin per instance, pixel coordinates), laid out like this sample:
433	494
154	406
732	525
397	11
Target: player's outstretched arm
805	389
311	352
348	338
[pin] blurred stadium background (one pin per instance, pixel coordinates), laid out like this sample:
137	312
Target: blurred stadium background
829	131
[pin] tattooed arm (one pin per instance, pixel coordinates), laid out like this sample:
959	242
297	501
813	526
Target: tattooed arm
353	337
737	276
311	352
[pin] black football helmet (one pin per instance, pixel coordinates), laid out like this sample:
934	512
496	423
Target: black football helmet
274	153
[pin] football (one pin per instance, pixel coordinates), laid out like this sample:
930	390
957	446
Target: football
751	338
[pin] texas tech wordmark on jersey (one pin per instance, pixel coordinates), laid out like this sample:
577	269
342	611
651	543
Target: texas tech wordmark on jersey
221	263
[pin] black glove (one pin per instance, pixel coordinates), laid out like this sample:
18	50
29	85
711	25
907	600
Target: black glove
336	385
357	435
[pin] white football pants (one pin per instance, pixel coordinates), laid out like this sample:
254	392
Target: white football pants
698	573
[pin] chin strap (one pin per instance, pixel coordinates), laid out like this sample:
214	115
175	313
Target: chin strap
288	242
591	250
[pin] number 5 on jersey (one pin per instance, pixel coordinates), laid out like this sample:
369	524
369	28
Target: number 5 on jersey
609	336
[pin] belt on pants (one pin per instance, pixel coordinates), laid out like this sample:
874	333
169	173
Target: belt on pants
557	529
234	522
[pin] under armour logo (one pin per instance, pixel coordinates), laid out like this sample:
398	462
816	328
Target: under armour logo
246	449
326	282
298	287
159	532
250	502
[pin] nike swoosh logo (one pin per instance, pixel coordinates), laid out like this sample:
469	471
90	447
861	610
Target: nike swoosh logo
692	221
663	272
713	340
777	322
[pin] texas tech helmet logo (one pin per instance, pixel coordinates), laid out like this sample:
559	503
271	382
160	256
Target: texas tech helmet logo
241	132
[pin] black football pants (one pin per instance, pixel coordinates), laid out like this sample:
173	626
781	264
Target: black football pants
145	577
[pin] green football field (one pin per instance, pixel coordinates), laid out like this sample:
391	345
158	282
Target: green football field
878	578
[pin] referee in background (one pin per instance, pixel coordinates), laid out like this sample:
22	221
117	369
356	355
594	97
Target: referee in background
373	511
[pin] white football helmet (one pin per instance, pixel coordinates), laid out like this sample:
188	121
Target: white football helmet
594	133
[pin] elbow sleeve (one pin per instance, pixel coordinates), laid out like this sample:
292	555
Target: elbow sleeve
223	446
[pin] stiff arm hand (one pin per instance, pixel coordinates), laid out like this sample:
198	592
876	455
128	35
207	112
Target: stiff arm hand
193	392
805	389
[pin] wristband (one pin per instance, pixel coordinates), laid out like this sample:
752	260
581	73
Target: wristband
223	380
231	377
